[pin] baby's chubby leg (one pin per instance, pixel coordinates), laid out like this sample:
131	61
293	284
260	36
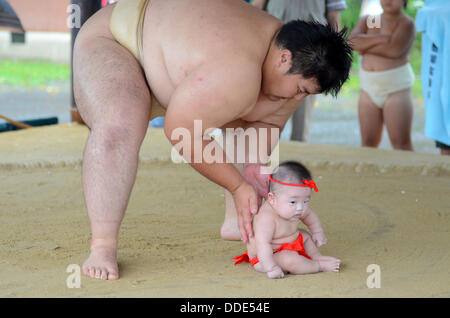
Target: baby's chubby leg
294	263
311	248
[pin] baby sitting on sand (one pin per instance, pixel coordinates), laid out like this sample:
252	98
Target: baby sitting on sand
279	246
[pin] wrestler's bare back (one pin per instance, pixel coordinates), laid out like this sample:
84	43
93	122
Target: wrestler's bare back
373	62
176	44
215	35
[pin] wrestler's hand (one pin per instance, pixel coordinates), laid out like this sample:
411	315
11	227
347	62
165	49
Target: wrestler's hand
276	272
245	199
319	238
260	182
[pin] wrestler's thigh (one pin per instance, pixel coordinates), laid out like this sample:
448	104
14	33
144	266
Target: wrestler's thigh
398	114
109	85
370	119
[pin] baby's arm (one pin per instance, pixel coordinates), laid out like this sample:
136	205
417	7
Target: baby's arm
311	220
264	231
361	41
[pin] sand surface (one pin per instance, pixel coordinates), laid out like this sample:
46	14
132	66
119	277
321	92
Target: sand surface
381	207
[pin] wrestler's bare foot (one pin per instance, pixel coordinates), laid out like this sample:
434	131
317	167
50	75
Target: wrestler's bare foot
329	265
102	263
230	230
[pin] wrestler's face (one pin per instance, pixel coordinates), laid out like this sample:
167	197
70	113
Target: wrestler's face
392	6
278	84
290	202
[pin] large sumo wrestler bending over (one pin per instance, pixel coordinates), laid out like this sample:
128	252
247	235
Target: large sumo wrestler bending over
223	62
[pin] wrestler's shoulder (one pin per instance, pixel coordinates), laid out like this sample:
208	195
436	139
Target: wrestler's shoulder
407	21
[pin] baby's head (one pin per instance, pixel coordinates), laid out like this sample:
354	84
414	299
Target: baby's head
290	188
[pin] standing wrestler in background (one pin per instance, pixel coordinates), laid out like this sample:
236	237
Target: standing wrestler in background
386	77
322	11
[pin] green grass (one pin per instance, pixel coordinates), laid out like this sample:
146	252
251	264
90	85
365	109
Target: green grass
32	73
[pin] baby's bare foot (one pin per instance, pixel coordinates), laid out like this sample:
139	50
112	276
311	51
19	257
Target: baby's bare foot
329	265
102	263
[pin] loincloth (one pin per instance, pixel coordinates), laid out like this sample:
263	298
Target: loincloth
126	25
378	85
297	246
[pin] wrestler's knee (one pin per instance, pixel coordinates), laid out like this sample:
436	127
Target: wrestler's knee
111	137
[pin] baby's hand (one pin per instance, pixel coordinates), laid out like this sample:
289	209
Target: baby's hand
276	272
319	239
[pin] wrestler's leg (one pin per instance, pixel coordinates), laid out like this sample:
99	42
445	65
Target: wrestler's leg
114	101
398	116
301	119
370	121
230	227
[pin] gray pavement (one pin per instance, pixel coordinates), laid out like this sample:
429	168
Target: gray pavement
334	121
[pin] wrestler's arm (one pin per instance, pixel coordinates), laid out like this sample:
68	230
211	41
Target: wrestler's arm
361	41
274	122
400	41
216	93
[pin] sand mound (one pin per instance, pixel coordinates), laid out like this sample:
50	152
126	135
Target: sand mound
388	208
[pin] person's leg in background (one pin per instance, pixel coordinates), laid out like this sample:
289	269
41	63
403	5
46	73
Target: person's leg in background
445	149
301	119
398	117
370	121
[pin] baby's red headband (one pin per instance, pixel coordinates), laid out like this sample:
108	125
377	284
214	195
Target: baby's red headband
306	183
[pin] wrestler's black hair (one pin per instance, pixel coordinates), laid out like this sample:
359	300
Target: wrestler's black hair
318	51
290	172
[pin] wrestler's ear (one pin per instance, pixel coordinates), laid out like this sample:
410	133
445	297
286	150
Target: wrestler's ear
285	58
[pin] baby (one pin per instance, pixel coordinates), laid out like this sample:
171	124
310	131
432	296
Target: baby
279	246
